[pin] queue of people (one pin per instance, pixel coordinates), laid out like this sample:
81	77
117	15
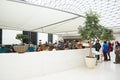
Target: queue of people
107	48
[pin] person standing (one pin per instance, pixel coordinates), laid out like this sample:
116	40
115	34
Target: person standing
97	48
109	50
105	50
117	52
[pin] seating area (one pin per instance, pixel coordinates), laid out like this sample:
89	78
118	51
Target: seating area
11	48
73	44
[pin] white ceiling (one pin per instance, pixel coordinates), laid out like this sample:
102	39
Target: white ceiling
61	17
21	16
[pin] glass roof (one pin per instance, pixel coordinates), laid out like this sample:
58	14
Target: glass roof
109	10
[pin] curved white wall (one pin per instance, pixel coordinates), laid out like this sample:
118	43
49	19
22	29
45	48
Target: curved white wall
14	66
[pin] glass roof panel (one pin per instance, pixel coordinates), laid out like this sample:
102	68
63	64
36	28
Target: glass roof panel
109	10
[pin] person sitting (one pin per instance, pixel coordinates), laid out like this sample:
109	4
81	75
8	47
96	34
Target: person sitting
31	48
79	45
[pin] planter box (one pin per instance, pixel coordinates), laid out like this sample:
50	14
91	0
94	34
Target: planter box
20	49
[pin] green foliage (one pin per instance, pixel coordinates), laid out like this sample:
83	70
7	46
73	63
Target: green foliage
107	34
93	30
21	36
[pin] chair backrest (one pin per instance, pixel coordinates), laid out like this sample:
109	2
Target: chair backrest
4	50
30	49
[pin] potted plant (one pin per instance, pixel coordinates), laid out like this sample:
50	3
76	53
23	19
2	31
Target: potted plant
91	31
21	37
21	48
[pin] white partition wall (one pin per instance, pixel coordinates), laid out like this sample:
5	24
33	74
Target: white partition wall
8	36
43	37
55	38
16	66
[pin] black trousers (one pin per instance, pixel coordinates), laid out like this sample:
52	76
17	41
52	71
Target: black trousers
97	56
105	56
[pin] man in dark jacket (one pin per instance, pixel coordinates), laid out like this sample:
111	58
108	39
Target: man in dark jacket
97	48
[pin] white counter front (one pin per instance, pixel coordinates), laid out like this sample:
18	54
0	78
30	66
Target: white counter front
14	66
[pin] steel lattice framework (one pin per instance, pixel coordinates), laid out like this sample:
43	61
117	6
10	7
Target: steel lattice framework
109	10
